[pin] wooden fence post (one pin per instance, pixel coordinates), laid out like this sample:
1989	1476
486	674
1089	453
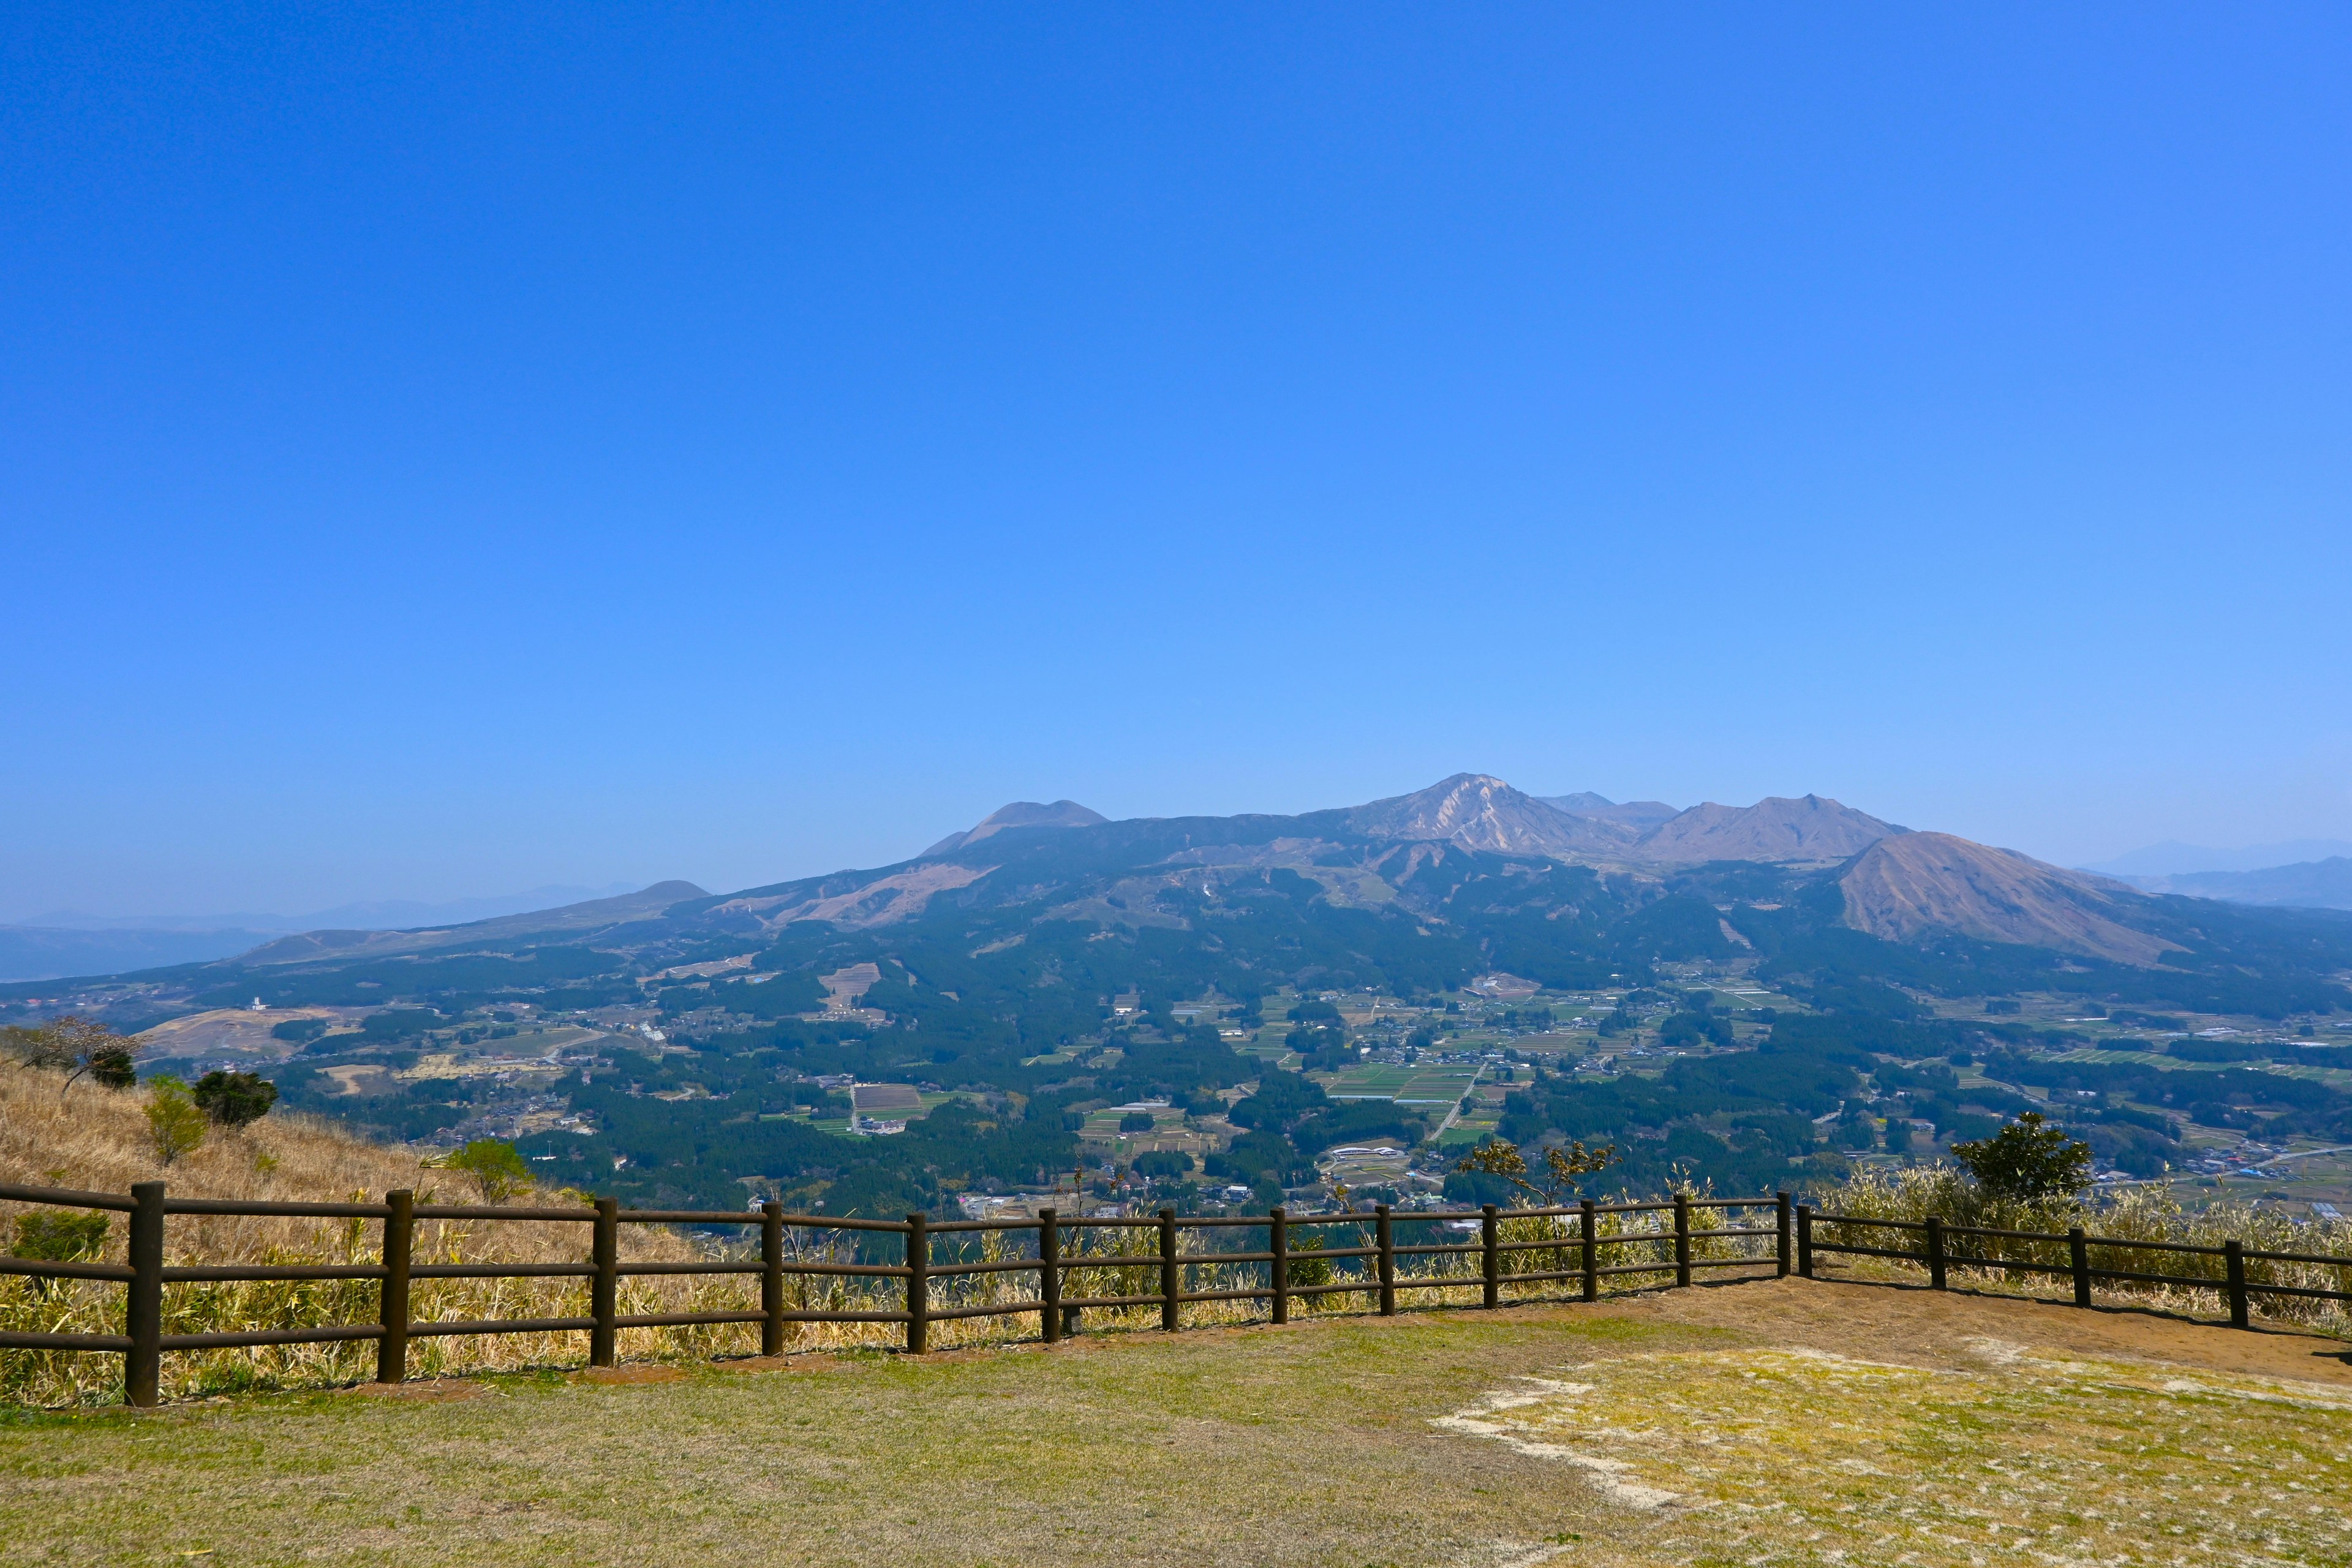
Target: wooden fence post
1277	1235
1490	1254
1171	1273
142	1312
1682	1238
1591	1222
918	1284
604	1285
391	1300
1934	1253
1384	1237
772	1277
1805	1240
2080	1250
2234	1254
1049	1275
1780	1218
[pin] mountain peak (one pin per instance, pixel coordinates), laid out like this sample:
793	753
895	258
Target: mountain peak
1776	828
1018	813
1478	811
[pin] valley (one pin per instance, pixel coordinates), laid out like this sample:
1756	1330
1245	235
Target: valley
1313	1010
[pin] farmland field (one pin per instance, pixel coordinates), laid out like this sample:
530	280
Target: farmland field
1407	1085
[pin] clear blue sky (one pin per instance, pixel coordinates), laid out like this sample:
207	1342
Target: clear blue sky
442	453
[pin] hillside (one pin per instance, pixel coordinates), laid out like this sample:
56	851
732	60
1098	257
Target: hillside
1904	887
1790	1422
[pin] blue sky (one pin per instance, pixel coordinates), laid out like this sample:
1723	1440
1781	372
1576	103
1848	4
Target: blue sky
447	453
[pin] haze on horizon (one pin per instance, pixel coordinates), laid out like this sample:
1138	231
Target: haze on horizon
457	457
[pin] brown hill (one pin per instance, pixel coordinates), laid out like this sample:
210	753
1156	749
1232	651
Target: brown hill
1478	811
1906	886
1774	829
1018	813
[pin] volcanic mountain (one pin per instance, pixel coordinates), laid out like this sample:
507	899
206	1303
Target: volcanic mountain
1478	812
1774	830
1019	814
1911	885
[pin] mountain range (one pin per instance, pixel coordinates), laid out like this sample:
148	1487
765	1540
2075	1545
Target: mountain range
1409	855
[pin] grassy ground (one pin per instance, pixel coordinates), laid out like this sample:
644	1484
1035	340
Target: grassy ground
1789	1422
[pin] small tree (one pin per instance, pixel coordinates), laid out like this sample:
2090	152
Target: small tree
498	1168
174	1123
2027	1161
78	1048
1567	1165
233	1099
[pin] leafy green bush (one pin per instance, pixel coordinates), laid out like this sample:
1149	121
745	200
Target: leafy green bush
174	1125
234	1099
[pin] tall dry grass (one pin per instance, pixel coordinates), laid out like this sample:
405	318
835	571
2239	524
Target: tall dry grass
2143	1214
96	1139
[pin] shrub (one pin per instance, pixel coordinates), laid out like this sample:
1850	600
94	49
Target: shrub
174	1125
234	1099
498	1168
2027	1162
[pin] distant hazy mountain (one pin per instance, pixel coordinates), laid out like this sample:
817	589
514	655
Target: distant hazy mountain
1774	829
1019	814
1910	885
46	952
66	942
378	914
2312	884
2171	858
1639	815
595	914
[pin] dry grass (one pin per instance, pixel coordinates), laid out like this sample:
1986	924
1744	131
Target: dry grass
2135	1214
93	1138
1326	1445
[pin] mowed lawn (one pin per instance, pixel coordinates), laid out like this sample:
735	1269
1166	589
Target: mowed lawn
1437	1439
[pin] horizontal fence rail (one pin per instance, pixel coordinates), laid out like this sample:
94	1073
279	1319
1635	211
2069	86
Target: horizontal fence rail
1128	1262
1940	1247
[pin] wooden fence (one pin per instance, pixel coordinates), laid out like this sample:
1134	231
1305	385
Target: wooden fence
1566	1246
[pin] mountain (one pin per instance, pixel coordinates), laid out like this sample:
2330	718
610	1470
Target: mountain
378	914
594	915
1912	885
2172	859
2312	884
1638	815
1019	814
1773	830
1478	812
46	952
66	942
